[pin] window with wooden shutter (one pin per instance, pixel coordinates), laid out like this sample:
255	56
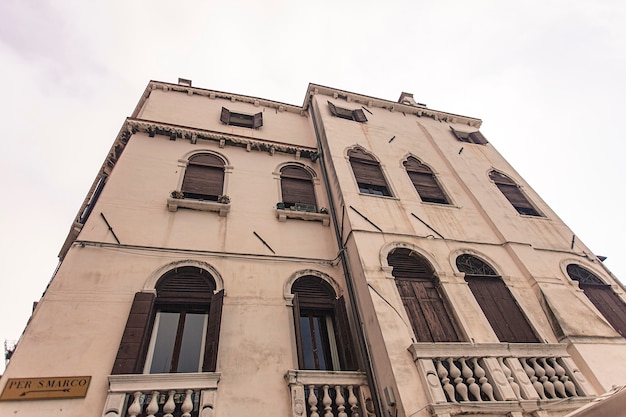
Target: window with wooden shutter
368	174
469	137
297	189
424	182
417	285
496	301
357	114
204	177
252	121
164	334
513	193
323	337
609	304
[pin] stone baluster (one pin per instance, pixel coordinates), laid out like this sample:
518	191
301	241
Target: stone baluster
187	405
569	387
353	401
509	377
541	374
153	406
455	373
533	379
326	401
135	408
169	406
313	401
468	374
340	402
485	386
554	379
442	372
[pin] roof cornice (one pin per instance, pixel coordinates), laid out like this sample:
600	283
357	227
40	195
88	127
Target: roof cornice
420	111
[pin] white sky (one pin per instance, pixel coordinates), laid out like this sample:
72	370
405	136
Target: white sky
546	77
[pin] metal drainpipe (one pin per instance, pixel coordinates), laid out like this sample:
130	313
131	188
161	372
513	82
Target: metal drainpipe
363	345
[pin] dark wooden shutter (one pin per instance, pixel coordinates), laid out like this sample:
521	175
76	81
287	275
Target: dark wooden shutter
347	353
608	303
296	185
135	339
204	177
424	182
429	315
477	137
512	192
213	333
501	310
359	116
257	120
367	172
332	108
298	329
225	116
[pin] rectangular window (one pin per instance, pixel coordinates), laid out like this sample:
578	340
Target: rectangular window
318	342
177	342
469	137
357	114
252	121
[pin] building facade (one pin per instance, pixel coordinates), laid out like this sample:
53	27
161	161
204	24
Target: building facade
352	256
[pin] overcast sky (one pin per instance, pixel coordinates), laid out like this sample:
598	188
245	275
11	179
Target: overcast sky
546	77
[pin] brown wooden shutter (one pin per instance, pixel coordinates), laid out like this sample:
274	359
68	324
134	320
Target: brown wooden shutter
298	329
501	310
359	116
477	137
297	185
257	120
204	177
225	116
608	303
429	315
135	338
367	172
213	332
427	188
333	109
347	353
512	192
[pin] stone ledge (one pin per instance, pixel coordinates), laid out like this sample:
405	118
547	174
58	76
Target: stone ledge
173	204
283	215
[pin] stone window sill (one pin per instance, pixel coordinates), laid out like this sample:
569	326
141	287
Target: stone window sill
283	215
173	204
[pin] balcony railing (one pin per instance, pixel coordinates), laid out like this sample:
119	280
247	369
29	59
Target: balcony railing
161	395
523	375
329	394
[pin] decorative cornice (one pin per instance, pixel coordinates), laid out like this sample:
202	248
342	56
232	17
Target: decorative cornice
152	128
213	94
419	111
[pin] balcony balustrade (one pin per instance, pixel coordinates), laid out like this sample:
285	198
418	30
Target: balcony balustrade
329	394
516	378
162	395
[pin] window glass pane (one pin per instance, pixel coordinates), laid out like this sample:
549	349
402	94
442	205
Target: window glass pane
315	342
191	345
164	344
307	343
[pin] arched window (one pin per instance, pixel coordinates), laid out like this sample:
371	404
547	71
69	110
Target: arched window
323	336
175	331
601	295
296	185
418	288
204	177
496	301
367	173
513	193
424	182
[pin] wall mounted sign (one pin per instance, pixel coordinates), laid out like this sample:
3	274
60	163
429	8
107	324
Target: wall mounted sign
48	388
